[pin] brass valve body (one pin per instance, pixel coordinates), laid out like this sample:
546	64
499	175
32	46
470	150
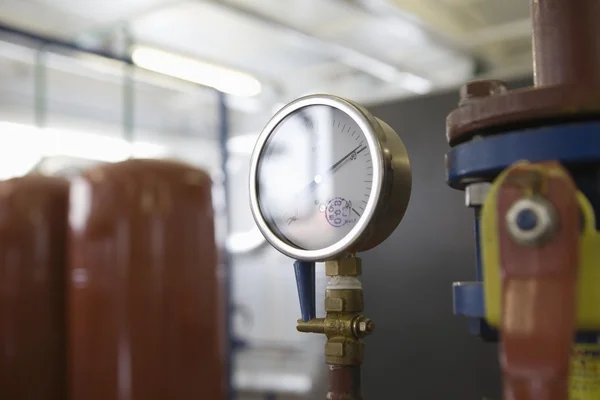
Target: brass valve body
343	325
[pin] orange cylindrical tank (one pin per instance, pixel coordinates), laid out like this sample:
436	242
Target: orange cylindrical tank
33	225
145	316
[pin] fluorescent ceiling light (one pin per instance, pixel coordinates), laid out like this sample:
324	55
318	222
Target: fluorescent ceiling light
25	145
223	79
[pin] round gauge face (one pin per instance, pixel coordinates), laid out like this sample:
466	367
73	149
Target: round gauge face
314	177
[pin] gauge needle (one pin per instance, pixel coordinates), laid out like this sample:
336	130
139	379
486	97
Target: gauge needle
334	167
337	164
319	177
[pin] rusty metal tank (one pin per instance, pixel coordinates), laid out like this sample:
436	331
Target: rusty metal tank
33	224
146	316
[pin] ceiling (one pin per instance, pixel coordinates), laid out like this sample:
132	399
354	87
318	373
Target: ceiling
498	32
367	50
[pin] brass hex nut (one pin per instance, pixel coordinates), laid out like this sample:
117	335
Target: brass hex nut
334	349
344	300
350	266
334	304
340	351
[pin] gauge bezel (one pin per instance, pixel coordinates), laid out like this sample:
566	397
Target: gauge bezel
373	133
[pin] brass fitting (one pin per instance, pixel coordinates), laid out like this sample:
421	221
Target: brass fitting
350	266
315	325
344	351
343	325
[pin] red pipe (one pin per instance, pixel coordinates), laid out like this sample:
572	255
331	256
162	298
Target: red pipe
344	382
566	42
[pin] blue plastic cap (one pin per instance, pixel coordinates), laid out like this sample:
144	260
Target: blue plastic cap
305	281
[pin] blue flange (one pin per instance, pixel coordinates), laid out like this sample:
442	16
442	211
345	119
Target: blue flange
468	299
574	143
469	296
469	302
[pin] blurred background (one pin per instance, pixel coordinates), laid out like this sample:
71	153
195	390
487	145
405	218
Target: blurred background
90	81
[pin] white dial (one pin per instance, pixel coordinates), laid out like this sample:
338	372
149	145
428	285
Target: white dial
314	177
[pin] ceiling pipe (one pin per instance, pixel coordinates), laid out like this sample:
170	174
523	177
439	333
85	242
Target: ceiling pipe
348	56
47	41
38	42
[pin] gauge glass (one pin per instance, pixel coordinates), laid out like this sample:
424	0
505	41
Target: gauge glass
314	177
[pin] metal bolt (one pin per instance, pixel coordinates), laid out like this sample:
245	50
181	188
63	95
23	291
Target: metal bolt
366	326
475	193
362	327
531	221
481	88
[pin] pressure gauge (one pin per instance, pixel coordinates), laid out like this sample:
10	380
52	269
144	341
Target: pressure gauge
327	179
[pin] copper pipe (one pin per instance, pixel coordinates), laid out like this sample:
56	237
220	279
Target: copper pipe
344	382
566	41
33	225
145	310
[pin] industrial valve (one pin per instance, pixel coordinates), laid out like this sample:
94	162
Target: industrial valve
344	326
529	162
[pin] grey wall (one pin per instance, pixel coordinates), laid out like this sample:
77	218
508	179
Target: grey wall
419	349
